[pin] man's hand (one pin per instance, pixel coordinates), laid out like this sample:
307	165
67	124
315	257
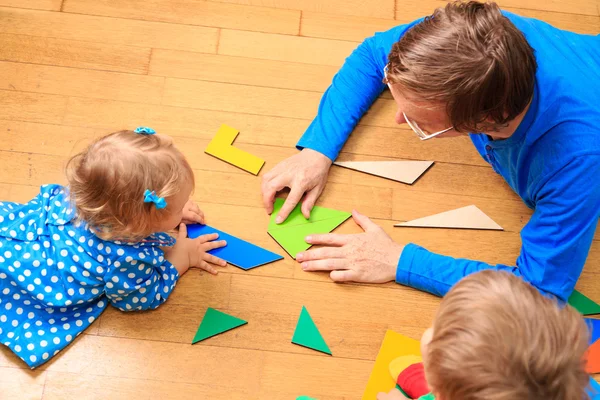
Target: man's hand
370	257
192	214
304	173
394	394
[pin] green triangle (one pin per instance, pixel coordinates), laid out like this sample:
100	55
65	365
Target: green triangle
296	217
292	238
215	322
307	334
583	304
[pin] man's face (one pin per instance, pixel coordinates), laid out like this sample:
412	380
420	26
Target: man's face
430	117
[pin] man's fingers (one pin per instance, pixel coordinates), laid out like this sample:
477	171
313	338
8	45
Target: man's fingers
327	264
269	190
320	254
289	204
343	276
363	221
309	201
328	239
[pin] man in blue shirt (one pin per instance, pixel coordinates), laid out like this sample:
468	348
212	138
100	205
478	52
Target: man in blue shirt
531	91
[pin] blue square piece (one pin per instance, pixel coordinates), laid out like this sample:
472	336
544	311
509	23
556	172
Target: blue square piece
238	252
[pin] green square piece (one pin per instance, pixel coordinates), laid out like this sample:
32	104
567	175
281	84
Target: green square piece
216	322
291	233
307	334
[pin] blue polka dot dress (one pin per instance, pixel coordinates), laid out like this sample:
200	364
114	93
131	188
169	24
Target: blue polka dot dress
56	276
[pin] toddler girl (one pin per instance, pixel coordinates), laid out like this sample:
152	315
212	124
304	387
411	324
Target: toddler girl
71	250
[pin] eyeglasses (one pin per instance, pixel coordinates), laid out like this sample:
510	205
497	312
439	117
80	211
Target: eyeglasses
422	134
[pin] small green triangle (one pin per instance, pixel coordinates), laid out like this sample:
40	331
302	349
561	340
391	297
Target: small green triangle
305	398
215	322
292	239
307	334
297	218
583	304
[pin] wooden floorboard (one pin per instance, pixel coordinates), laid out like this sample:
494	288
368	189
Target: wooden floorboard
74	70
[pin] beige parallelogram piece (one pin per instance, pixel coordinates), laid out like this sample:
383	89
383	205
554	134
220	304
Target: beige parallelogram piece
400	171
469	217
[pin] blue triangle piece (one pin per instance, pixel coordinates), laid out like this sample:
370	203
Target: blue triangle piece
593	390
238	252
594	327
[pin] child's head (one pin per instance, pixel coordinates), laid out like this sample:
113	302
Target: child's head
496	338
109	179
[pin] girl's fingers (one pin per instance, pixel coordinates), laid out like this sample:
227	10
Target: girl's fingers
207	238
215	244
215	260
208	268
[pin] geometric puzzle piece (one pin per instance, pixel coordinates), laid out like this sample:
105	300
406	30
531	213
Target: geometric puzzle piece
401	363
593	389
297	218
401	171
469	217
291	233
238	252
593	359
307	334
394	345
215	322
221	146
292	239
583	304
594	328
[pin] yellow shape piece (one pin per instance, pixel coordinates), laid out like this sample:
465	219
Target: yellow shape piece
401	363
394	345
221	146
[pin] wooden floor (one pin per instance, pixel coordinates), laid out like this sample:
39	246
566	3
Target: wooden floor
71	70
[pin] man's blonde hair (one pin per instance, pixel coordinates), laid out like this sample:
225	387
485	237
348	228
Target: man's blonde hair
496	338
107	182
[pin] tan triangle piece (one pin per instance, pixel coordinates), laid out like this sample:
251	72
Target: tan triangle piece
469	217
400	171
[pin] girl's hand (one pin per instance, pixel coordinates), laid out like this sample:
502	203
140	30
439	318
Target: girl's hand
188	252
192	214
394	394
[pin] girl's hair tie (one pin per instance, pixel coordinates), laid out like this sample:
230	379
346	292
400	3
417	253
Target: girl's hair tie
144	130
151	197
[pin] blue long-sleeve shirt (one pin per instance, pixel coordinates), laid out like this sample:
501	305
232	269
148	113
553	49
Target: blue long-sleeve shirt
552	161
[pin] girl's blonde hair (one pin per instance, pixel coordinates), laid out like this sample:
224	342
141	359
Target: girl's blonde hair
107	182
495	337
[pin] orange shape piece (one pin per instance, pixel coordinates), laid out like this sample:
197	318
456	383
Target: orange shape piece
593	359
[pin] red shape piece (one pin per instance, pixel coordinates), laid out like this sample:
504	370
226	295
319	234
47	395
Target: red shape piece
412	381
593	358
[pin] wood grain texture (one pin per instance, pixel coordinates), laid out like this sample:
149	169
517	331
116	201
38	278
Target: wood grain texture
193	12
226	69
184	67
72	53
372	8
50	5
117	31
81	82
268	46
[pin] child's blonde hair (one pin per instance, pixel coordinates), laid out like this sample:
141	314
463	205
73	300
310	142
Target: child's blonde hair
107	182
496	338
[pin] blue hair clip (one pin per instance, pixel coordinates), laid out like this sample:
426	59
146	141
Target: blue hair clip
151	197
144	130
